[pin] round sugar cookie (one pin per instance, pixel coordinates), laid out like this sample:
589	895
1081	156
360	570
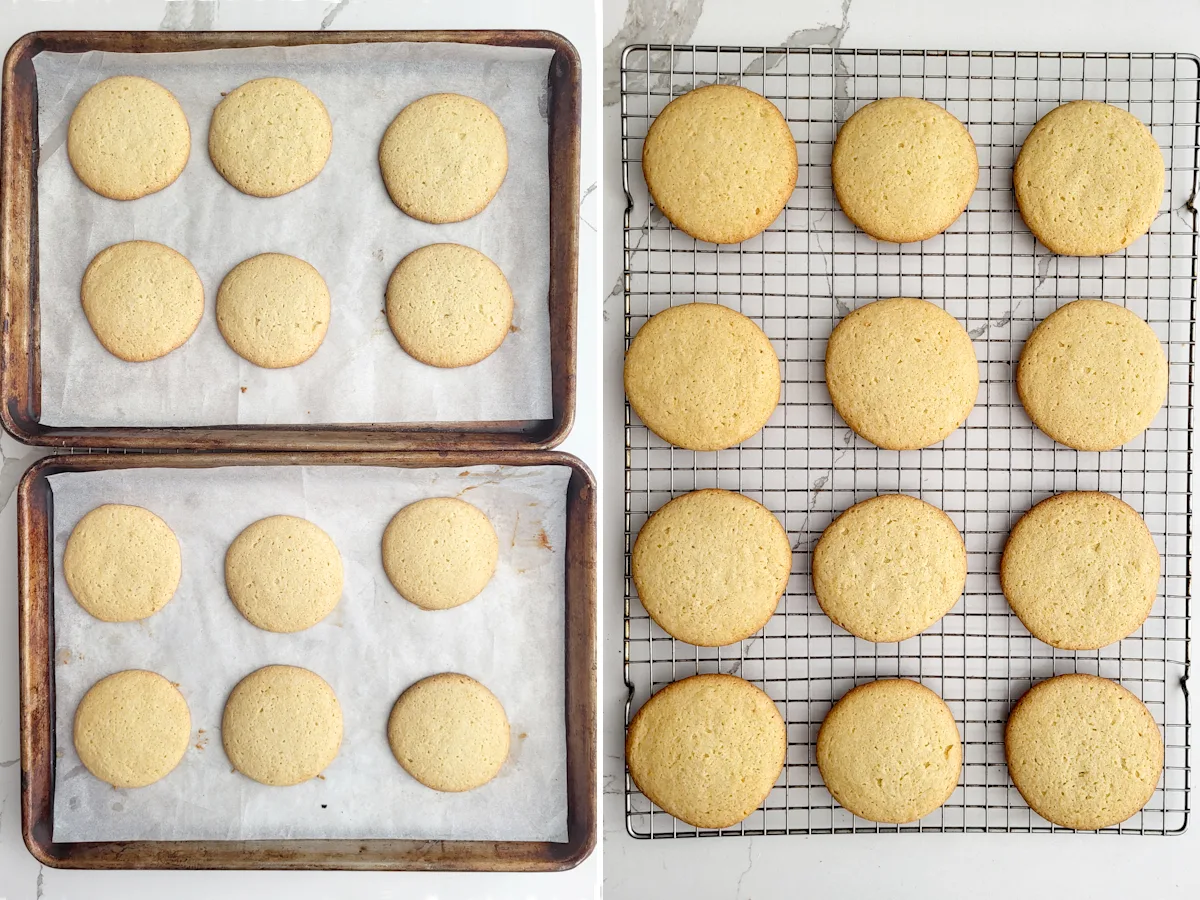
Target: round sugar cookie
284	574
889	751
440	552
449	305
1089	179
142	299
902	373
710	567
122	563
282	725
904	169
273	310
449	732
1092	375
889	567
443	158
128	137
1080	570
707	749
720	162
270	136
132	728
1083	751
702	376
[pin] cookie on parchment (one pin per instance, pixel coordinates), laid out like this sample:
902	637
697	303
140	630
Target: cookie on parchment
720	162
889	567
889	751
1092	375
904	169
142	299
449	732
440	552
1083	751
710	567
1080	570
702	376
132	728
273	310
902	373
1089	179
443	158
270	136
122	563
128	137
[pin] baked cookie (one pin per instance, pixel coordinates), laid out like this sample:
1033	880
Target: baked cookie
440	552
449	732
142	299
132	728
273	310
449	305
443	158
1089	179
902	373
122	563
710	567
128	137
1083	751
282	725
904	169
707	749
270	136
1080	570
702	376
1092	375
889	751
284	574
720	162
889	567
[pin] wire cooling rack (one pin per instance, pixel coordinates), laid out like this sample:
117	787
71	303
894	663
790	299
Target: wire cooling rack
804	273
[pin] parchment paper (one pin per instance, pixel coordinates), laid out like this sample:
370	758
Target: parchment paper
343	223
369	649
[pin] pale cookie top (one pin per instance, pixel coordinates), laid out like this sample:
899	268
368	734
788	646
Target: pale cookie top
122	563
1080	570
1092	375
449	305
273	310
904	169
707	749
702	376
270	136
128	137
1089	179
902	373
889	567
889	751
132	728
720	162
710	567
440	552
1083	751
449	732
142	299
284	574
443	158
282	725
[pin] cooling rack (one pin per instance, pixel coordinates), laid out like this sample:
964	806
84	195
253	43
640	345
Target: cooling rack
804	273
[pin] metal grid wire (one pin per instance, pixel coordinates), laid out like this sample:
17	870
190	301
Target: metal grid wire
796	281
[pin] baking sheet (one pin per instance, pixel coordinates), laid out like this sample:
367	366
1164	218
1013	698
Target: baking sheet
343	223
370	648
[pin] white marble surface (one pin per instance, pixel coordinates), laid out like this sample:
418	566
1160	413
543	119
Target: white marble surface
930	865
21	878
